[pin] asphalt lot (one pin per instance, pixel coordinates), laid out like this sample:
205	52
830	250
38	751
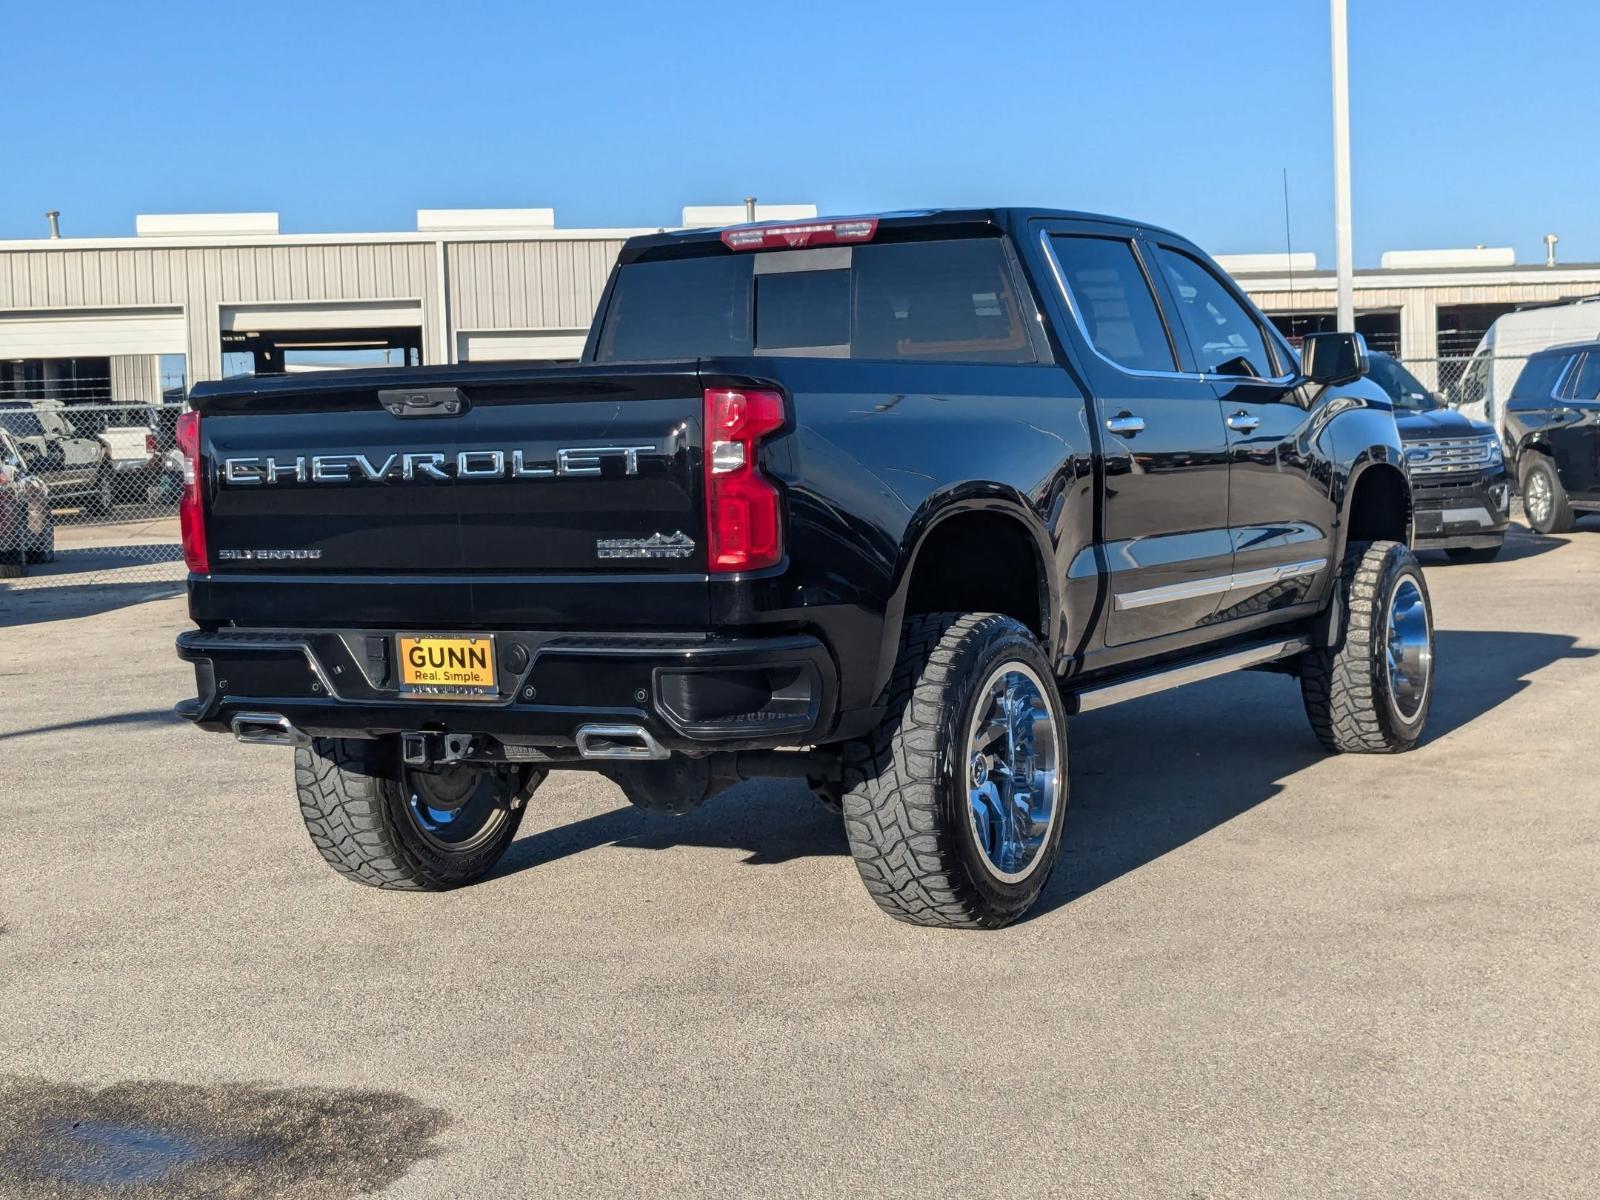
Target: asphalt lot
1262	972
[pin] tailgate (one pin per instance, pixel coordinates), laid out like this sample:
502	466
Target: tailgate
467	472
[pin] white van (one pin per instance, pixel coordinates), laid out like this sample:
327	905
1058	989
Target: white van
1504	351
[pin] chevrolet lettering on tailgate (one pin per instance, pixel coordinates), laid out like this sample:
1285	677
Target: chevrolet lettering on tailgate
463	465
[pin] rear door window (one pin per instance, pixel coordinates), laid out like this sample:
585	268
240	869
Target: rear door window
931	301
1114	302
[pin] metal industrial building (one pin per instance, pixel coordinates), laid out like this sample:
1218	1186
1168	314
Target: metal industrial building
194	297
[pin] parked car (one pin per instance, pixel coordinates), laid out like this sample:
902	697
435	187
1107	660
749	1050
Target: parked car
1460	487
875	503
1504	348
1553	427
128	433
75	464
27	532
166	460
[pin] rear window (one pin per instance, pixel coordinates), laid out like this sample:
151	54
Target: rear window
685	308
937	301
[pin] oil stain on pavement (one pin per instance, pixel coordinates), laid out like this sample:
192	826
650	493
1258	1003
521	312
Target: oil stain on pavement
241	1141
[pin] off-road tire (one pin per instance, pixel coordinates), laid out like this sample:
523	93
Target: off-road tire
1473	554
1345	685
905	800
354	807
1560	518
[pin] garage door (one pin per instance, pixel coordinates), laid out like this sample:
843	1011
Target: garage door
91	333
500	345
320	314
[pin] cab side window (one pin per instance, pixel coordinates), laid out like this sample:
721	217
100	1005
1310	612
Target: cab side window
1113	298
1225	338
1585	385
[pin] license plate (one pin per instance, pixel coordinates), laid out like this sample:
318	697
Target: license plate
445	668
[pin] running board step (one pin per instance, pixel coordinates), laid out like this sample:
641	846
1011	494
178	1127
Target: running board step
1106	694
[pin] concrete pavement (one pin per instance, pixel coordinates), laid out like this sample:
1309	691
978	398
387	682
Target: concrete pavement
1260	972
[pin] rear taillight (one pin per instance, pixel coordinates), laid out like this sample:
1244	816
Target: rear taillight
150	446
744	524
799	236
191	506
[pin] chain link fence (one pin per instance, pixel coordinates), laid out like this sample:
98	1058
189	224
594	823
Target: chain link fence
90	489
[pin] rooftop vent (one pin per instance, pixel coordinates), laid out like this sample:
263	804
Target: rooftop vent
1267	264
254	224
1425	260
484	220
702	216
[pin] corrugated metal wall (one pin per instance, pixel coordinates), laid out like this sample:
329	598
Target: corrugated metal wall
537	284
202	278
1418	306
526	285
135	379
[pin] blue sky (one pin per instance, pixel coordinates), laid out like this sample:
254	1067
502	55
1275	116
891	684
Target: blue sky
1473	121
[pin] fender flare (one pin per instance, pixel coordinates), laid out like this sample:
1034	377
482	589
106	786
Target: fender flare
939	506
1377	457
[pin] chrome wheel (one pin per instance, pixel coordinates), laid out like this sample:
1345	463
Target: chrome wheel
1012	771
456	808
1537	497
1408	649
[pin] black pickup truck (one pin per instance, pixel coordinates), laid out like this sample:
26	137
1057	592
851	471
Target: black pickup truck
876	503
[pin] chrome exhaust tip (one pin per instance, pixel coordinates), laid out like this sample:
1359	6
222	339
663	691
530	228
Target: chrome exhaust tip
613	742
266	729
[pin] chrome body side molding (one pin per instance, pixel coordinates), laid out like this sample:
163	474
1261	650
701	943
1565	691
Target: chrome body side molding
1263	577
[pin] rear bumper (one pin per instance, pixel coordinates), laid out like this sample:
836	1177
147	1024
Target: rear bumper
689	691
1472	512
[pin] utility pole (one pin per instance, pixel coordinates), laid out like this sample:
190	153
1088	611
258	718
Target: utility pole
1344	252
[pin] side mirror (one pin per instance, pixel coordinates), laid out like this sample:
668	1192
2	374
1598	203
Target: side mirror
1329	358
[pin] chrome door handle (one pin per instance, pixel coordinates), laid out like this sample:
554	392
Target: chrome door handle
1243	422
1125	423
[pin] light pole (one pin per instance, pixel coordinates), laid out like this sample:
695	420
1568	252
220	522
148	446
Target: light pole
1344	253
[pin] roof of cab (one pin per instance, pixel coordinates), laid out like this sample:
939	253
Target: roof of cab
1007	219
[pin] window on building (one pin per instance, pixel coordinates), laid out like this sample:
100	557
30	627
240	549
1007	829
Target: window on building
1381	329
286	351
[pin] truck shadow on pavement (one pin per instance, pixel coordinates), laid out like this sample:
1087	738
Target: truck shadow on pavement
1150	776
1147	777
148	716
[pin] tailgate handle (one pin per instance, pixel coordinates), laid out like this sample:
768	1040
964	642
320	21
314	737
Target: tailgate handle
424	402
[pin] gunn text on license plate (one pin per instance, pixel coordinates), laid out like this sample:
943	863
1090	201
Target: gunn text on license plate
447	668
